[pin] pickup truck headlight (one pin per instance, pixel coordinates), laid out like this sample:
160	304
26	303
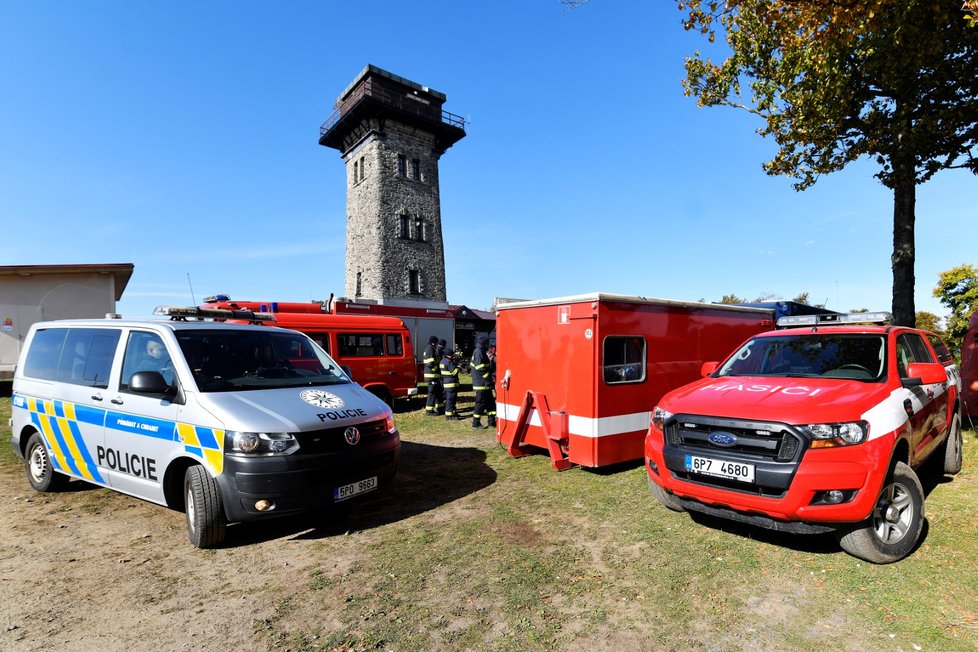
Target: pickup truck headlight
260	443
827	435
659	418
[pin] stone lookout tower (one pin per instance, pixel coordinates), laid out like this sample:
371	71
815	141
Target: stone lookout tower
391	132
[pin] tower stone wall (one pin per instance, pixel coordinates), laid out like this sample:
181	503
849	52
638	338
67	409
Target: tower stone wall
391	133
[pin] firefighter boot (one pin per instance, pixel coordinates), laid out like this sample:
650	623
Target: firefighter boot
477	424
492	421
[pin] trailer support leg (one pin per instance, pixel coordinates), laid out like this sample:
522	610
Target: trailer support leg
554	426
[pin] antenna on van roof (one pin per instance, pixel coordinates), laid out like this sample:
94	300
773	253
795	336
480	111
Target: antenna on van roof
193	300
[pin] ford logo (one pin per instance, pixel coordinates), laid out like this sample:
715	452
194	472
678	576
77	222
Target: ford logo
352	436
724	439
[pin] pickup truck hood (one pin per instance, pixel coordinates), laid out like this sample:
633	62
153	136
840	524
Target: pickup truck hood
787	400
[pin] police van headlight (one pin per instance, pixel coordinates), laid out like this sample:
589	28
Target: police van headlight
826	435
260	443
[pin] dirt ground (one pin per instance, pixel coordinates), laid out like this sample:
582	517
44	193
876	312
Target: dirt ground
92	569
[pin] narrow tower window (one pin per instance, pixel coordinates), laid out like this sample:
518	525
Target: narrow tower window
416	169
419	229
405	226
414	281
402	165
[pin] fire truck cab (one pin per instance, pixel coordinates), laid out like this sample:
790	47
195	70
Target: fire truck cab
817	428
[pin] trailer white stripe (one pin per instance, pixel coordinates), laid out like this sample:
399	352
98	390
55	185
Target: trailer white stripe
584	426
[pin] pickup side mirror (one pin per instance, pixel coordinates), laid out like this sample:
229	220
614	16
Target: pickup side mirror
924	373
708	368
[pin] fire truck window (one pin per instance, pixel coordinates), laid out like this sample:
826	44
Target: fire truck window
394	345
360	345
624	359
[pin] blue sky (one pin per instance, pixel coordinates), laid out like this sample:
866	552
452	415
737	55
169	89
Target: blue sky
183	137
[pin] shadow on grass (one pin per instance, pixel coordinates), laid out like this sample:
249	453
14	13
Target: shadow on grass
429	477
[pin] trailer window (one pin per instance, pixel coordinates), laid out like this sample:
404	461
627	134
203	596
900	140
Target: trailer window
624	359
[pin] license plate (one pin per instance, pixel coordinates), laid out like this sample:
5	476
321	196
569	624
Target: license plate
720	468
354	488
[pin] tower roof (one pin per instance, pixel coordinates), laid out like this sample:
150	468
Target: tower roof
376	94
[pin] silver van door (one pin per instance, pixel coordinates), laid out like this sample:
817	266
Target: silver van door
140	428
72	420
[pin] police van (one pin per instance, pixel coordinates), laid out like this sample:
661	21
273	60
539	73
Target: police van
230	422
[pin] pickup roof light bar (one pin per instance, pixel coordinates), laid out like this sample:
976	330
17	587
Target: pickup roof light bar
182	313
822	320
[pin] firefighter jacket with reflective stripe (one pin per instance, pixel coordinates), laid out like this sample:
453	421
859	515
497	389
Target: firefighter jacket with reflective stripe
481	370
449	373
430	361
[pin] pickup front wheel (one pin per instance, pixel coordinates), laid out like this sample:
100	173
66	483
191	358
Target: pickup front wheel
892	530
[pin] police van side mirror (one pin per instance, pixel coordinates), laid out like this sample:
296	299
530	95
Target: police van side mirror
150	382
924	373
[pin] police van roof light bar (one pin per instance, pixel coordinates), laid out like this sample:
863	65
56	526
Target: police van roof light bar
822	320
182	313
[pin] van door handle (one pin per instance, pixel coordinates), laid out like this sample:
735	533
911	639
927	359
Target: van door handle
96	397
116	401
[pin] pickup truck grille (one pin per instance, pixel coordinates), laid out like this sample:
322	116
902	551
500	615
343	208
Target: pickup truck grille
775	449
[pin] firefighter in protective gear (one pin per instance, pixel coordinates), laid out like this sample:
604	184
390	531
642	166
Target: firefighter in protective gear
482	382
435	402
449	381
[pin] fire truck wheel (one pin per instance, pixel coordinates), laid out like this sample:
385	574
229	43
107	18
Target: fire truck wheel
667	499
892	530
206	523
952	447
37	462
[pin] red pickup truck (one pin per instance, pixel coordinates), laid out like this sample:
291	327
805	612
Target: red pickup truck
815	428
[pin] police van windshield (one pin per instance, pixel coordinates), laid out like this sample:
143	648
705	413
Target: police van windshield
230	360
855	357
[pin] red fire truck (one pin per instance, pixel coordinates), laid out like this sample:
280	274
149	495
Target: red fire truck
969	368
376	350
578	376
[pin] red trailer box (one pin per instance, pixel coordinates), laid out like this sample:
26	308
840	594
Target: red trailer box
578	375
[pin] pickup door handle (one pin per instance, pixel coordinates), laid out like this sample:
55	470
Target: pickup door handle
116	401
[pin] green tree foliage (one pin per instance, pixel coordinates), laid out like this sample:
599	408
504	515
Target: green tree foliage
957	288
837	80
731	298
929	322
802	298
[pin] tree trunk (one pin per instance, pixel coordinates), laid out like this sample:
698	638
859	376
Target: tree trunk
904	200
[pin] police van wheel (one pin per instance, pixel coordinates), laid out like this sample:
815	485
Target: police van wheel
40	472
667	499
892	530
206	523
952	447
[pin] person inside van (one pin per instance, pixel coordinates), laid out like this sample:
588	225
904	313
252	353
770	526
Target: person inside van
157	359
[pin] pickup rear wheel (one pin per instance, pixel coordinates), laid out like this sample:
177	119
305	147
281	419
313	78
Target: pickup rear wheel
206	523
892	530
37	463
667	499
952	447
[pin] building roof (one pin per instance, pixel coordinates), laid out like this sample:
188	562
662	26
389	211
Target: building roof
460	311
121	271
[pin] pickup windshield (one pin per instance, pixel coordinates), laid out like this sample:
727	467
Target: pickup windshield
227	359
854	357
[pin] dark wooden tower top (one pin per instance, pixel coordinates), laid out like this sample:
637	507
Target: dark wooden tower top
378	94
